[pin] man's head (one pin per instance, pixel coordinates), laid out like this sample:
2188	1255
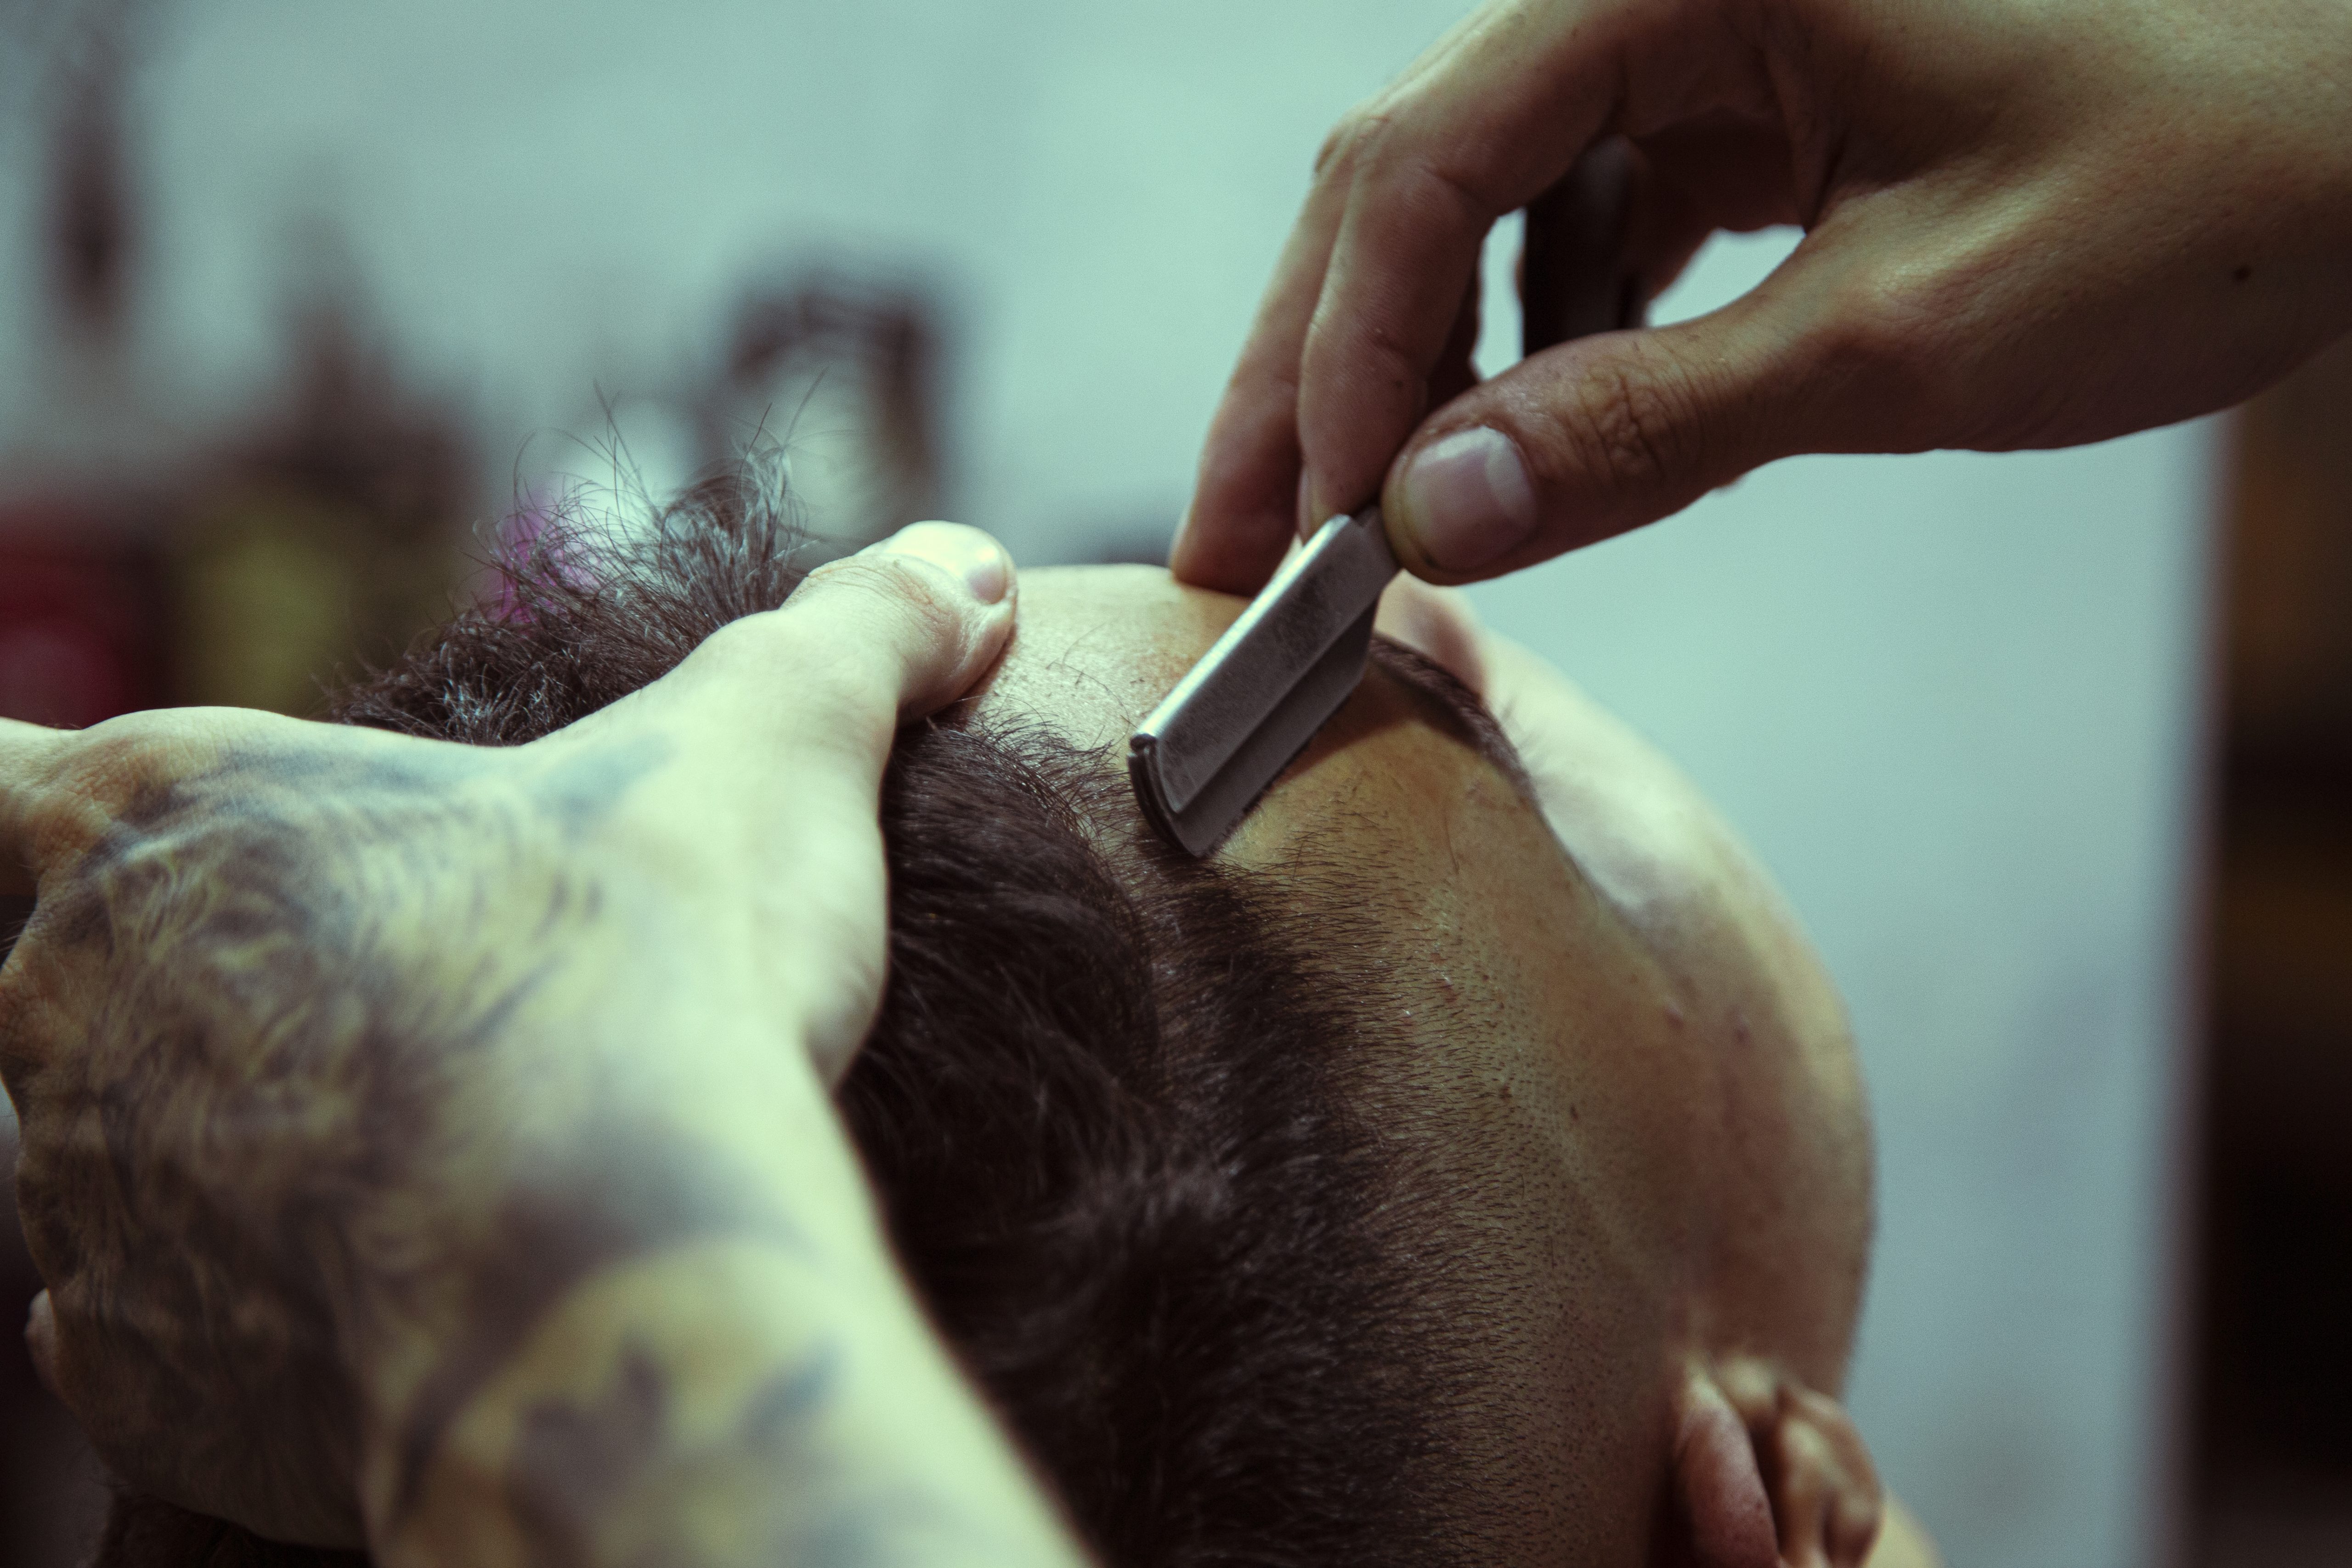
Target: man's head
1618	1124
1394	1186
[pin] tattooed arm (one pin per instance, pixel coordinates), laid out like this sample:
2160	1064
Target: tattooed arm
430	1148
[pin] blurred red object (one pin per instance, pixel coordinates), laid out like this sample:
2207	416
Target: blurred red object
80	612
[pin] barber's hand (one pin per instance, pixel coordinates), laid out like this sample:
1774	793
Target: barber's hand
429	1145
2028	225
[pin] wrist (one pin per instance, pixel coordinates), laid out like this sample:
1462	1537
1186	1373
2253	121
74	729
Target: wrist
601	1153
720	1402
596	1093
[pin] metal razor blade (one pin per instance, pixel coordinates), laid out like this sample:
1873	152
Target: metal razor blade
1201	758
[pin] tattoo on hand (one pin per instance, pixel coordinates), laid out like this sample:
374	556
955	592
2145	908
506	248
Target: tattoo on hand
294	979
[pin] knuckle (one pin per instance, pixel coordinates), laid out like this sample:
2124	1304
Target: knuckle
1334	148
123	767
1884	345
748	641
914	595
1431	181
1379	145
1360	131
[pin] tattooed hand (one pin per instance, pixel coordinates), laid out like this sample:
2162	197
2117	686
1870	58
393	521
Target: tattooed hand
428	1147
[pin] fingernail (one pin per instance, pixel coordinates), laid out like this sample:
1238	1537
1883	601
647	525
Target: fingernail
967	554
1467	498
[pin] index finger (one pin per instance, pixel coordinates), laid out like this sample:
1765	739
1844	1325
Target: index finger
1248	498
1336	376
1245	496
1495	116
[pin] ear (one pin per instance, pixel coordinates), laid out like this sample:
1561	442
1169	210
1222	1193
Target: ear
1766	1472
1825	1499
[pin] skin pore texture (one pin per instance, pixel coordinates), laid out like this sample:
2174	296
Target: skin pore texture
1628	1084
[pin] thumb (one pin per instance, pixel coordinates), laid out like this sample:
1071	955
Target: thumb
867	643
1594	436
789	716
926	611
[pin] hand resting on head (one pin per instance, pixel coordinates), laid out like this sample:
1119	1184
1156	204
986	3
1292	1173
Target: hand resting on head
407	1123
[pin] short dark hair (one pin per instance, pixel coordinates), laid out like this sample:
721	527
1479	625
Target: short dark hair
1106	1107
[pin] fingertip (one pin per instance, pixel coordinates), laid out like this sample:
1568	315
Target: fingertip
969	558
1232	557
960	594
1245	507
872	640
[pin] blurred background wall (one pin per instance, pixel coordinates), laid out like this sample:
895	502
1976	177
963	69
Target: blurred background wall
292	297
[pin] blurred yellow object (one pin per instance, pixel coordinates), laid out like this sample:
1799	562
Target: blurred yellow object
275	591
